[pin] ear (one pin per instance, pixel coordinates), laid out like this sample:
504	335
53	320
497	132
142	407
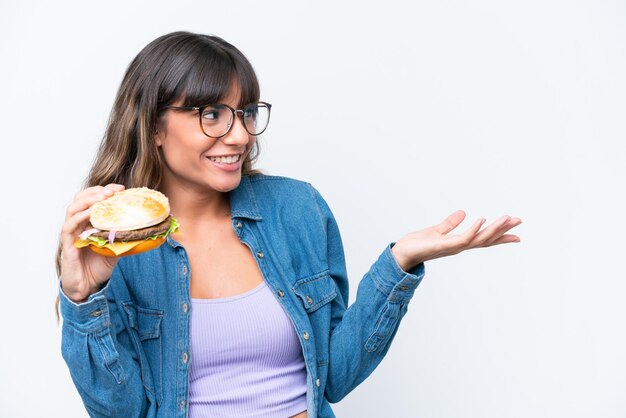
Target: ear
158	138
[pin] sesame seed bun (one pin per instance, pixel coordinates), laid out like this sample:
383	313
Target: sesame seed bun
130	209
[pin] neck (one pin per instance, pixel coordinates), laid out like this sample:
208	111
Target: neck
194	208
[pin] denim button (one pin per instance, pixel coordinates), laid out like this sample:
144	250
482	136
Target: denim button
259	254
238	224
318	383
184	270
309	300
96	314
182	404
306	335
185	358
403	287
185	307
281	293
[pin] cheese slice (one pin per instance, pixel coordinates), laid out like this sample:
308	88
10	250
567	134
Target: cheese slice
118	247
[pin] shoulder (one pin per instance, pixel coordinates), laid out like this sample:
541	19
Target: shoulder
264	181
267	187
286	195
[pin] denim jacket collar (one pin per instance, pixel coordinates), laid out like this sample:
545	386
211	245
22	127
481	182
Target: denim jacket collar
243	201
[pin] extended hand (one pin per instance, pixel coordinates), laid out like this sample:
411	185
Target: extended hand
434	242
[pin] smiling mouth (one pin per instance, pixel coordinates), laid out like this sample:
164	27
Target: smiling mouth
226	160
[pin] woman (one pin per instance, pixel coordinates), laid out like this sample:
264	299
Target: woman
243	312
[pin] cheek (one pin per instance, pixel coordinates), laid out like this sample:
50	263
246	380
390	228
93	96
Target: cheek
176	154
168	151
182	146
251	143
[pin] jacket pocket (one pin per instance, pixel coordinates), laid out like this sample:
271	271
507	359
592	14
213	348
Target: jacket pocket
316	294
315	291
147	325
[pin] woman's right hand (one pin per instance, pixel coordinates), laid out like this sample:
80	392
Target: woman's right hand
83	271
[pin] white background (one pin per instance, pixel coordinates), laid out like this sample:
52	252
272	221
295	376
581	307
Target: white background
399	113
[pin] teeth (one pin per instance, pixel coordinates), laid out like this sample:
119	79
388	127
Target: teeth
225	160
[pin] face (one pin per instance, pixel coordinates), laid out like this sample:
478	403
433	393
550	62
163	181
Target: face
190	156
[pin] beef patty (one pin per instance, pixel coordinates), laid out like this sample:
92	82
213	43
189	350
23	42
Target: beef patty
136	234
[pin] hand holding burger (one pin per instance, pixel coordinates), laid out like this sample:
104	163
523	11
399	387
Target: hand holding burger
84	272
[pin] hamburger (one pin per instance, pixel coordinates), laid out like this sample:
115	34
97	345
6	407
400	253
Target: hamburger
129	222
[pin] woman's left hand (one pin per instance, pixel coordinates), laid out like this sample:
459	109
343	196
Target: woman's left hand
435	242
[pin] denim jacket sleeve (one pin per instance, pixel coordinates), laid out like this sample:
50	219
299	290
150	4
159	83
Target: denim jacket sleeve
361	334
101	357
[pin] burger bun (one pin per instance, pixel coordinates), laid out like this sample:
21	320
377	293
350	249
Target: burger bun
130	209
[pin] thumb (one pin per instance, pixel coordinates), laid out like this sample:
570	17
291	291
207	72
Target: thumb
451	222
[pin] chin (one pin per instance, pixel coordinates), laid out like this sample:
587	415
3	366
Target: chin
227	185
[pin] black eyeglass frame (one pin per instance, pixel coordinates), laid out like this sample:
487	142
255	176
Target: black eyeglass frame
239	112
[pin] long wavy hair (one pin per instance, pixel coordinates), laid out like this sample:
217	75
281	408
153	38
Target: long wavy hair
180	66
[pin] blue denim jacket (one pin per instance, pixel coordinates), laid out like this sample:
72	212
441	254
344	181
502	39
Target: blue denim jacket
127	346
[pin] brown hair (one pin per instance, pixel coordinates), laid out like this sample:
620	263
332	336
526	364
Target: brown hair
180	66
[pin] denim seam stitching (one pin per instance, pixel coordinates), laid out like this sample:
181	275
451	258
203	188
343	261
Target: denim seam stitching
374	335
107	362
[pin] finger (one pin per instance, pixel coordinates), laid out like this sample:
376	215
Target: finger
454	244
107	190
505	239
86	198
82	204
471	233
450	222
73	227
488	233
502	230
114	187
80	197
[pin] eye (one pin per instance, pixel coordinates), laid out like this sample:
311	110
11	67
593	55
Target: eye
210	115
251	111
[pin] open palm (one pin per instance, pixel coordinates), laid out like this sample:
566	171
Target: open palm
436	241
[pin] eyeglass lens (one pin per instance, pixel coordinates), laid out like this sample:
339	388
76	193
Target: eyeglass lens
217	119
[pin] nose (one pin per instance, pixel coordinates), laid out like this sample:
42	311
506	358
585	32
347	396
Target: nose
237	134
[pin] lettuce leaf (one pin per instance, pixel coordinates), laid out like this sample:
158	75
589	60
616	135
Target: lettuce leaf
100	242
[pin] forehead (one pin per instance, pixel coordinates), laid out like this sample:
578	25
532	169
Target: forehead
233	95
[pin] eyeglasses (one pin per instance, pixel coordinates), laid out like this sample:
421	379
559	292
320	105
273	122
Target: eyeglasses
216	120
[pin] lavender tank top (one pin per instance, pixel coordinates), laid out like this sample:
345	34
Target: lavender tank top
246	359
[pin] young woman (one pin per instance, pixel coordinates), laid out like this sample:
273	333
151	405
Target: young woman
243	312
